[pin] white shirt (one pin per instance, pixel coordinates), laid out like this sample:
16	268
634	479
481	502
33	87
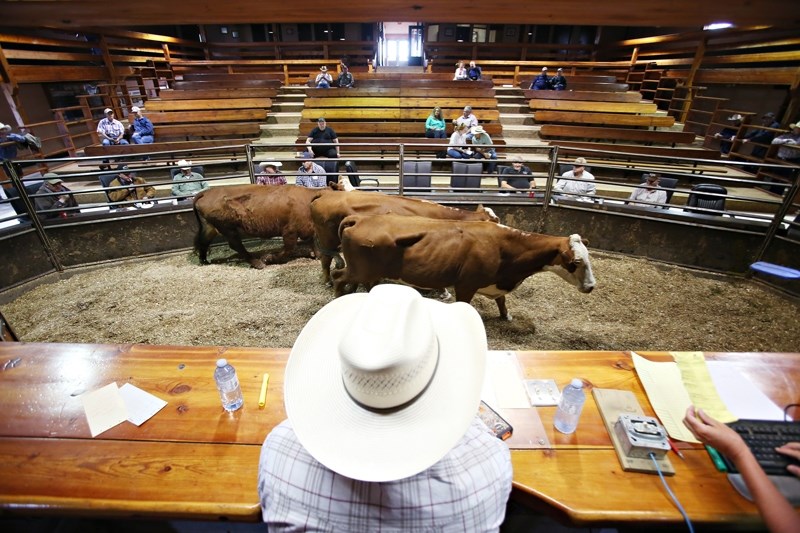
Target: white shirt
657	196
568	185
466	490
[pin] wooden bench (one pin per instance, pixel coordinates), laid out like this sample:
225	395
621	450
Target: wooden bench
210	94
570	117
224	76
586	96
428	92
229	84
412	82
586	86
156	104
616	134
575	147
168	147
209	130
346	129
633	108
208	116
392	114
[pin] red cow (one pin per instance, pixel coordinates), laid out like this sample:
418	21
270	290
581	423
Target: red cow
328	212
257	211
473	257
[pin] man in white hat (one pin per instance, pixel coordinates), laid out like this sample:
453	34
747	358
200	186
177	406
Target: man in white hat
53	204
541	82
268	173
143	131
382	432
558	82
323	79
187	182
482	145
110	130
577	182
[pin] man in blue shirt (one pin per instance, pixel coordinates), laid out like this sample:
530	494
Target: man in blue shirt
143	132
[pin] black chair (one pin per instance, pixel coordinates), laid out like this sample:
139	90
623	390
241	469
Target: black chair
16	202
500	170
706	201
331	167
417	176
105	181
466	175
352	173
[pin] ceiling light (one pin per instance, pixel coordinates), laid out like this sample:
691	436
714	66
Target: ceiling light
718	26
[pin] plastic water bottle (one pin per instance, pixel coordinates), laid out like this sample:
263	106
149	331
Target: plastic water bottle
228	384
570	406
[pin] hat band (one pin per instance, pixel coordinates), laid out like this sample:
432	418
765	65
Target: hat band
394	408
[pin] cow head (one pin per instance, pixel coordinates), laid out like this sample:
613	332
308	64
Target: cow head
573	264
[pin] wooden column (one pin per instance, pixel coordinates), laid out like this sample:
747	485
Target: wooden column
10	89
698	60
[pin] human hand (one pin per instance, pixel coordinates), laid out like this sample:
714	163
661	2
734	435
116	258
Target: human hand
715	433
792	449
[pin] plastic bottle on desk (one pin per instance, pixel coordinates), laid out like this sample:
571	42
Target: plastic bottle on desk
570	406
228	385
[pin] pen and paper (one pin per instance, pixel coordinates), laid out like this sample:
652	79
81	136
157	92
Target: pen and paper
262	397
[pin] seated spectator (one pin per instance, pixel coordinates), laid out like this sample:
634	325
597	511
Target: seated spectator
323	80
474	72
187	183
727	134
577	182
382	432
435	127
468	118
310	174
268	174
558	82
461	72
459	137
346	79
481	146
541	82
136	188
762	136
791	139
9	142
143	132
650	193
778	513
517	176
322	134
54	184
111	130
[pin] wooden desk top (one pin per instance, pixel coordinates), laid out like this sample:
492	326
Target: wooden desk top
193	460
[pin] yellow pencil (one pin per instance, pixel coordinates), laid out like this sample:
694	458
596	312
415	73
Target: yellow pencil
262	398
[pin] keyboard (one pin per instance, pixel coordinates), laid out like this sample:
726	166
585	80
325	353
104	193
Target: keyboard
762	437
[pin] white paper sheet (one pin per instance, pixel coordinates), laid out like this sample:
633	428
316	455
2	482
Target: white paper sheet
743	398
502	383
104	408
141	405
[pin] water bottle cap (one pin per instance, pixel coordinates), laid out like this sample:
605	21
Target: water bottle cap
577	383
222	363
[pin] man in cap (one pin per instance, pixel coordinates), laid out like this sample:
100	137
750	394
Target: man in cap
649	191
541	82
482	145
474	72
762	137
467	118
346	80
110	130
310	174
382	432
187	182
143	131
577	182
517	176
558	82
268	173
790	151
323	134
58	200
323	79
728	134
135	188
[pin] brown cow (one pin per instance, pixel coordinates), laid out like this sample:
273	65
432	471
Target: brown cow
257	211
473	257
328	212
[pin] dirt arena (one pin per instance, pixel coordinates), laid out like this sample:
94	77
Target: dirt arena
637	305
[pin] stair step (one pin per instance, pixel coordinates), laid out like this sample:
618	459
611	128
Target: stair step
516	119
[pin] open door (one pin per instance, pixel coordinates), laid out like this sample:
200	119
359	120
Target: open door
415	46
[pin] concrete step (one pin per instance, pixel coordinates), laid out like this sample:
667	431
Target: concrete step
284	117
516	119
517	131
287	107
510	98
513	107
280	130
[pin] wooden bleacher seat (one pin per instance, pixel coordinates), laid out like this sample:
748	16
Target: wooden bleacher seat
587	96
230	92
556	131
612	119
191	85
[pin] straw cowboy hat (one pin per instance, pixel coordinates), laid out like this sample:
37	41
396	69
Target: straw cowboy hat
477	130
381	386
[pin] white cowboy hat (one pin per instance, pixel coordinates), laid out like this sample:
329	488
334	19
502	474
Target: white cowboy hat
276	164
390	393
184	164
477	130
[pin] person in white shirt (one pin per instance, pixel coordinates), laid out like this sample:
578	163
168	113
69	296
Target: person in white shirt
650	193
577	182
382	431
